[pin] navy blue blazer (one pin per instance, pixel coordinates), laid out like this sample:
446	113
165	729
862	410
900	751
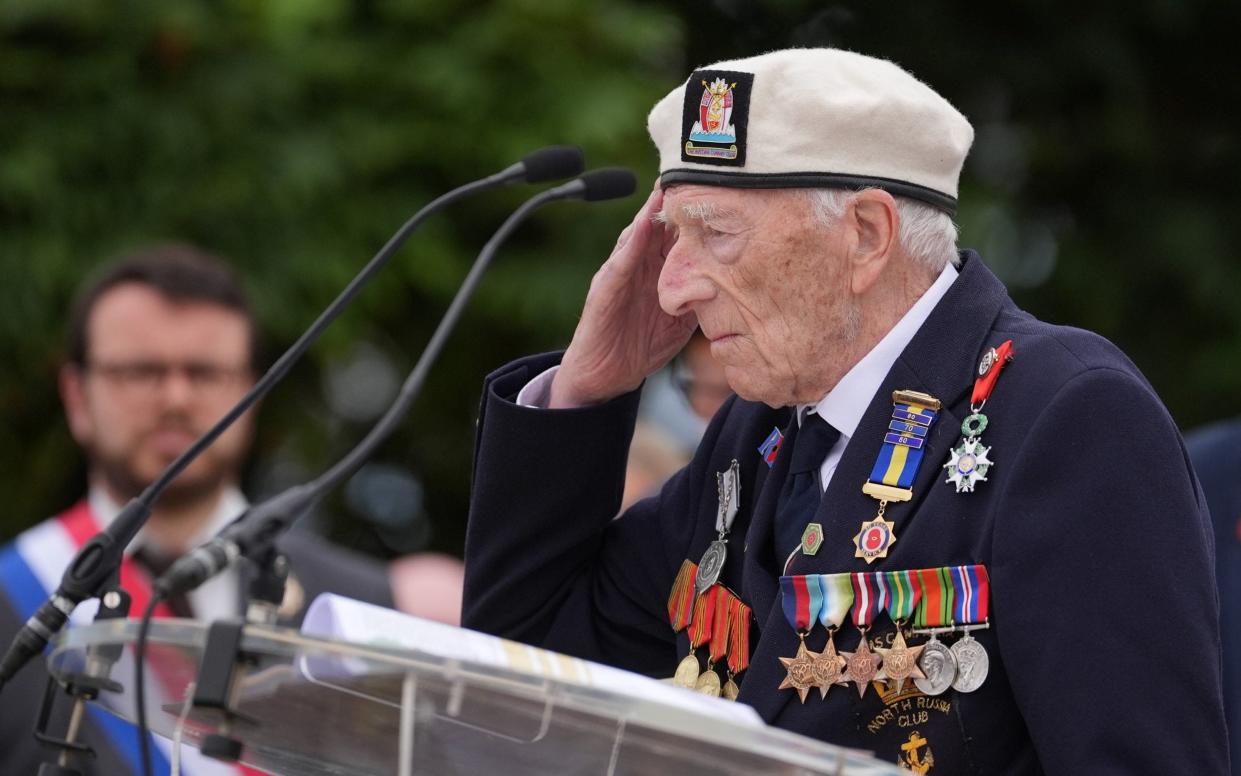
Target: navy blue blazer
1104	641
318	566
1216	453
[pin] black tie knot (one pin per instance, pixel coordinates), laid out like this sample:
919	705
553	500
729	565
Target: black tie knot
814	441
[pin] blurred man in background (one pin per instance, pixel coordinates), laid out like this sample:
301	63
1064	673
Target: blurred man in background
160	346
1216	454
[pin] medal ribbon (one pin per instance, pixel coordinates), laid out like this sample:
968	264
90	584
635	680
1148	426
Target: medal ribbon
973	588
837	599
802	600
870	597
720	630
904	592
738	637
986	383
902	451
704	615
681	600
938	596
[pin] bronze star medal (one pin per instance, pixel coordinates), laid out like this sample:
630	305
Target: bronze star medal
861	666
829	666
801	676
900	662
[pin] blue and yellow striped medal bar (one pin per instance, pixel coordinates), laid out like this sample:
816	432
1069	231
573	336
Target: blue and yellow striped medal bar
892	477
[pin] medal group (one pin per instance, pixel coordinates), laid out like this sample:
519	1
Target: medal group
929	602
934	601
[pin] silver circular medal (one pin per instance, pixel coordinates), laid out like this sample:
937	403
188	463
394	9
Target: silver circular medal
940	667
710	566
972	664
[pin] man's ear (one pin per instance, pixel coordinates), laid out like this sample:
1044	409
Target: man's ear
73	395
874	223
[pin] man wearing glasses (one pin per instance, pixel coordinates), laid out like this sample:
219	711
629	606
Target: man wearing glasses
159	347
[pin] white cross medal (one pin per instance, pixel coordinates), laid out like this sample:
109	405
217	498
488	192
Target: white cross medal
968	463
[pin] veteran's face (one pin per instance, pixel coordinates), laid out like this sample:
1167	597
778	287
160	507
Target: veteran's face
768	284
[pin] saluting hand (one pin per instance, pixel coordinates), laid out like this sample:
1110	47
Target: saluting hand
623	335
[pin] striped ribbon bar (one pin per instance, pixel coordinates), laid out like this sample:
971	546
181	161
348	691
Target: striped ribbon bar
972	587
837	599
892	477
938	596
681	600
904	592
704	616
802	600
720	630
870	597
739	637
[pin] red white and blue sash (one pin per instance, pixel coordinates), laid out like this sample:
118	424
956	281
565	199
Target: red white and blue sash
31	568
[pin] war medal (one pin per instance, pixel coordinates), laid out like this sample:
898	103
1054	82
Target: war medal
971	587
869	598
900	662
893	475
801	599
688	670
968	463
829	666
933	616
738	647
709	682
680	614
728	485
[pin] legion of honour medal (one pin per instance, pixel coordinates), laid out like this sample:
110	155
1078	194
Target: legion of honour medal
968	463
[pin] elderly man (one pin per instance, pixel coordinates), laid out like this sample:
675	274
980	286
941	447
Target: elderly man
929	526
160	346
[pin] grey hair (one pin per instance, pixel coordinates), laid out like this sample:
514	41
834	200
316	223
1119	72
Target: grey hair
928	235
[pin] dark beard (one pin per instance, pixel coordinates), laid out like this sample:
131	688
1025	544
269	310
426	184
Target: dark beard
181	492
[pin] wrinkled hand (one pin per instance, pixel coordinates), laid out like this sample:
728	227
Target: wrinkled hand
623	335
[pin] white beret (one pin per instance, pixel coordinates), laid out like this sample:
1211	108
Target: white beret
811	118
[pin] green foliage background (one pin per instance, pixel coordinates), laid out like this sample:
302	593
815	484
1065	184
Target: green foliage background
294	136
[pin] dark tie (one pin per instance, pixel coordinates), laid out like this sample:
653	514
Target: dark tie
801	494
155	564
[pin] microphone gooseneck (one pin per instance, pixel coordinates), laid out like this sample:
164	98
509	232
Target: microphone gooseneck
264	522
96	564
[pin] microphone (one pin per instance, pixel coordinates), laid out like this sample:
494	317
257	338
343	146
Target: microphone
259	526
96	564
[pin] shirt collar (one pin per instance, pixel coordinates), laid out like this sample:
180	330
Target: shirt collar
845	404
230	504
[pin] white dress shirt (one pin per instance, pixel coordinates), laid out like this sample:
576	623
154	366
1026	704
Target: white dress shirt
218	597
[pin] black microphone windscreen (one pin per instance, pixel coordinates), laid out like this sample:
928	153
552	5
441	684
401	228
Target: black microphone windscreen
608	183
553	163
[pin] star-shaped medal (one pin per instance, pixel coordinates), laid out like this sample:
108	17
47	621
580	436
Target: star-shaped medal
900	662
861	666
801	671
968	464
829	667
874	539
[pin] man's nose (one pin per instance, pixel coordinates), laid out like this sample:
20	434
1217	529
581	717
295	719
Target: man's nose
177	387
682	283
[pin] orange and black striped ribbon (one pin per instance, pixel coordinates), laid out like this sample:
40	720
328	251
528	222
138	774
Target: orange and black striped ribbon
681	600
738	637
704	616
719	628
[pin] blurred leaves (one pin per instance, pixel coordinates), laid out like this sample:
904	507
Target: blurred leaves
295	136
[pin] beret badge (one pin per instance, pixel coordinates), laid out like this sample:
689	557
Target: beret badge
715	117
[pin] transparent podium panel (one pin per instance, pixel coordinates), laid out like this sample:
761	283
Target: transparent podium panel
310	706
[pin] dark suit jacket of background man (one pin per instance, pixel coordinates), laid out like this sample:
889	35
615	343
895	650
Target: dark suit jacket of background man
318	566
1104	643
1216	453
